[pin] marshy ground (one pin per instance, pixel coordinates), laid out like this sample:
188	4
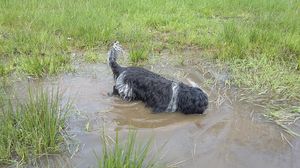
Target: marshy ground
244	54
233	132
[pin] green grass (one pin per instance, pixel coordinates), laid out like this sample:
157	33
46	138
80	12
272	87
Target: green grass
95	57
37	66
92	57
138	54
41	66
31	128
273	78
249	36
125	155
5	70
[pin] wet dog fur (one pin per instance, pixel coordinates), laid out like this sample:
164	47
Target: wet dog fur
157	92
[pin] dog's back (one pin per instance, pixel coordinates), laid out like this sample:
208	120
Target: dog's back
151	88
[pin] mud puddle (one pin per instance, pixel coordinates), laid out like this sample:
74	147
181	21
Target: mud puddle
232	133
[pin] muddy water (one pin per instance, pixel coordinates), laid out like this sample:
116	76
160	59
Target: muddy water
231	134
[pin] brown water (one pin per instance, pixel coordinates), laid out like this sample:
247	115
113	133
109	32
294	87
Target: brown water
231	134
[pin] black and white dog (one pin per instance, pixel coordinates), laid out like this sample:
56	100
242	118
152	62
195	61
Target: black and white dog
157	92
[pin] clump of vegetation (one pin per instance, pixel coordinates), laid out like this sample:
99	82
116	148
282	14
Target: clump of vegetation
5	70
91	57
125	155
40	66
266	76
31	128
138	54
94	57
270	80
284	117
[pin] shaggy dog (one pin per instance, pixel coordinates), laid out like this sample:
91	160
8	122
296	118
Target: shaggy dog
157	92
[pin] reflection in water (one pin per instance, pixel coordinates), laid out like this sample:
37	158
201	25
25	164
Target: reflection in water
230	134
138	116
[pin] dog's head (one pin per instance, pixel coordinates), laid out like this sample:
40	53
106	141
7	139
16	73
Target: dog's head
200	99
192	100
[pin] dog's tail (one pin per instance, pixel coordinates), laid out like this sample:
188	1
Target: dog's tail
113	54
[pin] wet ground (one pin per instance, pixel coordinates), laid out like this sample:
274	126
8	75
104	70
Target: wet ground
232	133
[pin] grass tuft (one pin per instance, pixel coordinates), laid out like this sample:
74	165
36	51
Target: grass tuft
94	57
41	66
5	70
284	117
125	155
265	75
31	128
138	54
